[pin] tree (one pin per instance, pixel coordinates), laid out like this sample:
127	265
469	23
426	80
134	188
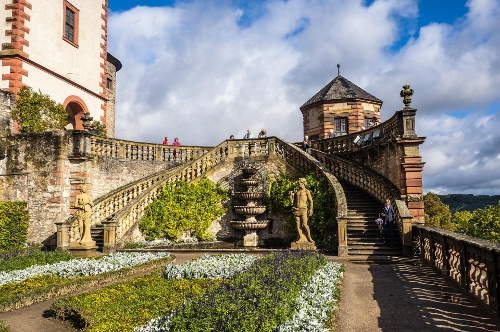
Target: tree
436	213
485	223
461	220
37	113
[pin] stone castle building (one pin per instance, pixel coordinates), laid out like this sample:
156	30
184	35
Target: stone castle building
342	106
60	48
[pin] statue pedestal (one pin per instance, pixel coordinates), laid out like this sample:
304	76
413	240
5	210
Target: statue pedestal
85	249
303	245
250	239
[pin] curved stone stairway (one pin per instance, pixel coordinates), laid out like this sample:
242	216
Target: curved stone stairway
363	236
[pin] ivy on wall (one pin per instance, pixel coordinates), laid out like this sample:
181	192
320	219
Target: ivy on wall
182	207
14	222
322	223
37	113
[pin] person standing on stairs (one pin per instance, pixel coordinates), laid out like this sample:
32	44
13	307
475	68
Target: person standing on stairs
389	217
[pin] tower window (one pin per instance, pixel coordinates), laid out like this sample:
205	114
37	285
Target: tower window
109	83
341	126
70	24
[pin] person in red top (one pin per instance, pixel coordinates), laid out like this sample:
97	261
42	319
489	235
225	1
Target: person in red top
165	141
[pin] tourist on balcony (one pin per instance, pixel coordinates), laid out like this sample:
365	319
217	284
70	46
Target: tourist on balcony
231	137
176	143
306	144
374	121
332	134
248	134
165	141
389	218
263	133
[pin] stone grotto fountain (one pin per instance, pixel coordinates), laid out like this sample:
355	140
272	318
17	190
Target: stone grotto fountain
250	225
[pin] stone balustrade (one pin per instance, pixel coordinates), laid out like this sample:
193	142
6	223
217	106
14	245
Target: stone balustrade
373	183
398	126
85	144
133	213
470	262
125	206
105	146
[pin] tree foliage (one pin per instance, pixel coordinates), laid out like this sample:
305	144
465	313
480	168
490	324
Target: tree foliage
37	113
437	214
482	223
99	128
182	207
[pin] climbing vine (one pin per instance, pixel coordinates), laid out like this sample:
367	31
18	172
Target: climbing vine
182	207
37	113
322	223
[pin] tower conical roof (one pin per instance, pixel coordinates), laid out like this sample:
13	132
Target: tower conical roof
340	88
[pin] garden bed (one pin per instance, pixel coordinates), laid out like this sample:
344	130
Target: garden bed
219	293
20	288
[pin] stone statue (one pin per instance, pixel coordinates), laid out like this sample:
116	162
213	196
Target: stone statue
83	205
301	211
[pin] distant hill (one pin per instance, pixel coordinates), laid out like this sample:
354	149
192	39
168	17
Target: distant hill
460	202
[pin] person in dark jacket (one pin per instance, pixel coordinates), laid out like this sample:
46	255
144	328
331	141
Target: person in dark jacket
389	217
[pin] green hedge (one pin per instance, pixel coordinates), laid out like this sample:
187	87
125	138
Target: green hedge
31	258
14	222
182	207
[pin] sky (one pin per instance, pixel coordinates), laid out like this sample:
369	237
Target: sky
202	70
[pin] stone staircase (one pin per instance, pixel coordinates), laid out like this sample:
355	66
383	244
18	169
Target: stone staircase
363	236
97	234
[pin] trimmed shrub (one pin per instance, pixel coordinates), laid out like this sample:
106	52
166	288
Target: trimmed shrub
14	222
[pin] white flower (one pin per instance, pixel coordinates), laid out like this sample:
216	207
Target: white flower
82	267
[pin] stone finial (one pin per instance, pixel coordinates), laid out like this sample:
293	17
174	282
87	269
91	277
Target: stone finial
87	121
338	69
406	94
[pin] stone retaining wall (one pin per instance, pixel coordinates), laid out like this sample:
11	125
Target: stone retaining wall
42	170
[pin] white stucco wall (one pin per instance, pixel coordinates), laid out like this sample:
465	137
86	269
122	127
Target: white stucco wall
59	90
48	48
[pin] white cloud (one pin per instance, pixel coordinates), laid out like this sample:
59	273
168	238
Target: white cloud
192	71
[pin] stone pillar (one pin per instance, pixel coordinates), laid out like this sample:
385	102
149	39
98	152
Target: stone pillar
407	235
62	235
342	234
271	148
411	177
411	161
109	235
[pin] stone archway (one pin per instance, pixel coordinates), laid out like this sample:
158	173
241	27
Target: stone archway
75	107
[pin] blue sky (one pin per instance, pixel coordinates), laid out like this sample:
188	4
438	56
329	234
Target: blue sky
202	70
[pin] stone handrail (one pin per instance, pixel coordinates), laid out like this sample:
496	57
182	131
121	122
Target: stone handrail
470	262
108	205
119	210
400	125
302	161
134	211
124	207
88	144
373	183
